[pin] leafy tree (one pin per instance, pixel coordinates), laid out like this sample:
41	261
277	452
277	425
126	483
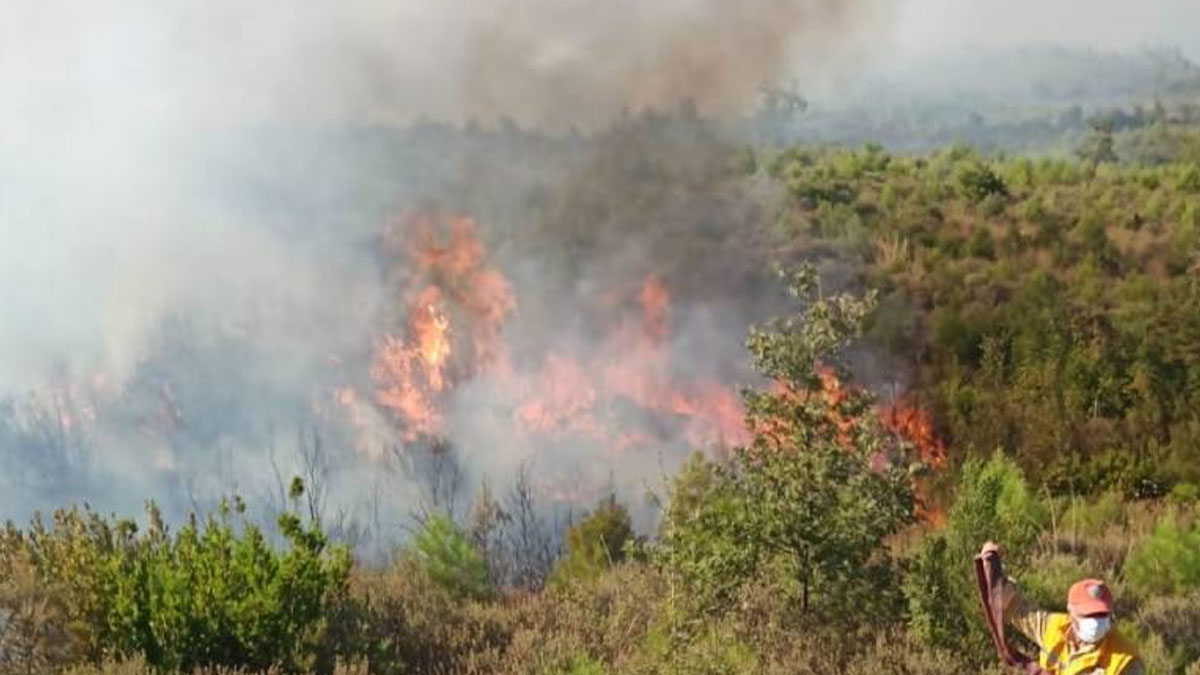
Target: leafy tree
813	497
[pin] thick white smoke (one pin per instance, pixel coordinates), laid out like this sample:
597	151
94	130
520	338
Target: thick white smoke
157	160
166	216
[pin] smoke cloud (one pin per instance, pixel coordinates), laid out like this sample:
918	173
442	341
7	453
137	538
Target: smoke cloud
191	197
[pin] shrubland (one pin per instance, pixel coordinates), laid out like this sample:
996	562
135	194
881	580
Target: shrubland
1044	311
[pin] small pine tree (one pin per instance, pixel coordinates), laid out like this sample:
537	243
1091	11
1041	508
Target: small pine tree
451	560
595	543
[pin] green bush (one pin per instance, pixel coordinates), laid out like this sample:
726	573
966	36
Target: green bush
450	559
978	181
992	502
1184	494
594	544
1168	561
930	594
212	594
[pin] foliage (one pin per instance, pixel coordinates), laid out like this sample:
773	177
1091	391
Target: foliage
1049	306
34	635
212	594
595	543
450	559
1168	561
978	181
403	621
992	502
814	496
1176	621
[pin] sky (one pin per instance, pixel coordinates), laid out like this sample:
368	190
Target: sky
925	27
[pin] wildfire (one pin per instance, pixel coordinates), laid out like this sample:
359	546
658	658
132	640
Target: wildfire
622	395
633	369
413	369
828	400
914	425
623	392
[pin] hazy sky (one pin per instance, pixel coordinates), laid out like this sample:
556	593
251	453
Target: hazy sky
926	26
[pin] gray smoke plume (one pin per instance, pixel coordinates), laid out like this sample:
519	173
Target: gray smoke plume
191	194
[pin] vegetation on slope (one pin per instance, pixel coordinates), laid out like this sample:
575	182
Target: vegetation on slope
1046	313
1048	308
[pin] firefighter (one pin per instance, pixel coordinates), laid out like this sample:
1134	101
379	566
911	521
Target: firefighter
1083	641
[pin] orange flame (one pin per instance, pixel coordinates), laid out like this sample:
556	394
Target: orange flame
445	279
623	395
456	305
914	425
632	367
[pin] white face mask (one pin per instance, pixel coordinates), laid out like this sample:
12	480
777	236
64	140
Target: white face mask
1092	629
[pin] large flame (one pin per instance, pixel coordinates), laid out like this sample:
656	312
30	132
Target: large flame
623	393
633	369
413	369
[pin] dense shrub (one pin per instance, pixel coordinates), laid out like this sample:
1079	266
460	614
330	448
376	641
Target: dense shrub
1052	304
1176	621
992	502
211	594
405	621
1168	561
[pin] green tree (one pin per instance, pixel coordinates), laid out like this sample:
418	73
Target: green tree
595	543
1098	147
813	497
451	560
993	502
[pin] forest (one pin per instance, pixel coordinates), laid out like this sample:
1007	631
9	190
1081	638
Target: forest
1026	296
